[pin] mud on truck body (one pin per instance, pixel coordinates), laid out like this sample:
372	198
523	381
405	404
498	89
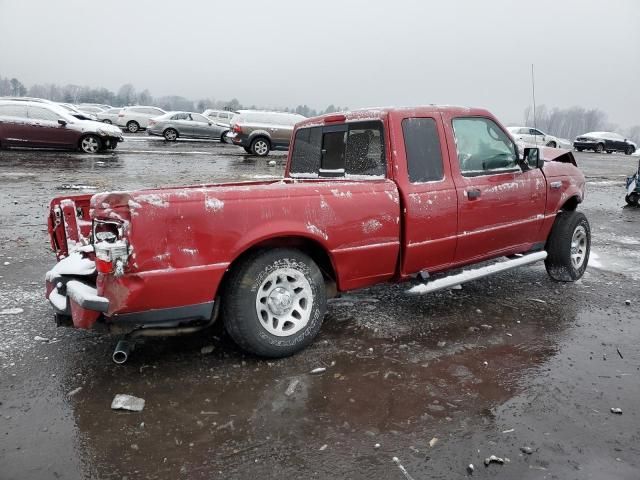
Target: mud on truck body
371	196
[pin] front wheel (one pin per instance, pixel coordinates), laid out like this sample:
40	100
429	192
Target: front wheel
633	199
223	137
568	247
629	150
274	302
107	121
260	147
90	144
599	148
580	149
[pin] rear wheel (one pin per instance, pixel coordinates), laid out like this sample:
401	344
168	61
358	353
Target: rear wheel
609	151
223	137
260	147
106	120
274	302
170	135
633	199
133	126
568	247
90	144
629	150
599	148
579	149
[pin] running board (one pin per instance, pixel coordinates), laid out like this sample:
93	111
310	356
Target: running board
476	273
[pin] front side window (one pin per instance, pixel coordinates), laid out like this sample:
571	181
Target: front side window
40	113
422	146
339	151
483	148
180	116
196	117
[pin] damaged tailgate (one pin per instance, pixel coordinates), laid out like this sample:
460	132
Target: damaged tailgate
69	223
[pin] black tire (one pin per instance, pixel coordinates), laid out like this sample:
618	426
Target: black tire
242	302
133	126
629	150
609	152
552	144
107	121
579	149
247	149
599	148
260	146
568	228
223	136
90	144
633	199
170	134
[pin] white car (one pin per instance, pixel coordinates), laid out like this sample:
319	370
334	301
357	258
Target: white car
220	117
136	118
533	136
109	116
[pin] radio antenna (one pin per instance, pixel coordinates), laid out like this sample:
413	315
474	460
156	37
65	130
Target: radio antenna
533	90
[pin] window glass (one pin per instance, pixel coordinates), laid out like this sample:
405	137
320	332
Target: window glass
483	148
40	113
340	150
307	150
13	111
422	146
223	115
180	116
536	132
196	117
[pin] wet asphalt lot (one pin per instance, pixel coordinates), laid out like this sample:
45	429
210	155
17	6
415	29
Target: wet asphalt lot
439	381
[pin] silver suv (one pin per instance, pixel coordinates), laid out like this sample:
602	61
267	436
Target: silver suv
259	132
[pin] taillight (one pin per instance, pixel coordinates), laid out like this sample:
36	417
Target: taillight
237	128
111	257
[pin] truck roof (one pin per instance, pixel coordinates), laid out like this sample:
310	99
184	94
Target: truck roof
377	113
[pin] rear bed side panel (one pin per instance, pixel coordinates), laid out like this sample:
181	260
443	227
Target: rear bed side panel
68	222
183	240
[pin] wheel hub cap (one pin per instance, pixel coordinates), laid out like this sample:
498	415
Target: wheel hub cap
578	247
284	302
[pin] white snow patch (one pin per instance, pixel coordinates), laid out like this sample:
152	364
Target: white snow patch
190	251
213	204
74	264
153	199
11	311
316	231
371	226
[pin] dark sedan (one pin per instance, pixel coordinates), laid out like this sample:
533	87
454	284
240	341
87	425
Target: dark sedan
604	142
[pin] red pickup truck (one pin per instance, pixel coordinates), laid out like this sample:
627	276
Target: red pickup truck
369	196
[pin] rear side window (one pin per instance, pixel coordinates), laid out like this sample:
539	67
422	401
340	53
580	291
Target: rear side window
422	145
13	111
354	149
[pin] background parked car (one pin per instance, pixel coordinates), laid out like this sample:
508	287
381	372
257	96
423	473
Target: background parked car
259	132
222	117
110	115
46	125
604	141
173	125
136	118
77	113
533	136
100	105
90	109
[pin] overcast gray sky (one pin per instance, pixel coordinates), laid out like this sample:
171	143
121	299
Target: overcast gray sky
346	52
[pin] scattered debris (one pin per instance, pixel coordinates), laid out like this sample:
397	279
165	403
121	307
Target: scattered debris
619	353
617	411
396	460
627	302
73	392
509	431
38	338
376	446
493	459
291	389
509	335
527	450
433	441
538	300
486	327
441	343
134	446
127	402
470	469
456	287
206	350
11	311
319	370
485	363
272	163
323	447
478	310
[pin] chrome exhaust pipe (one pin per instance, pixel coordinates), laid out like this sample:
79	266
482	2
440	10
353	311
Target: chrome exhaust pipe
121	352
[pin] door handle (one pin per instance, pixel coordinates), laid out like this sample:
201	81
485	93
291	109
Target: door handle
473	194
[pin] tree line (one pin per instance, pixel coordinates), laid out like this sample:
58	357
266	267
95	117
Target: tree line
128	95
573	121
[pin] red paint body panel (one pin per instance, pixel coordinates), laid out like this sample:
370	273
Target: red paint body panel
182	240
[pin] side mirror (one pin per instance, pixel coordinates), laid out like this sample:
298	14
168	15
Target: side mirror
62	122
531	158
